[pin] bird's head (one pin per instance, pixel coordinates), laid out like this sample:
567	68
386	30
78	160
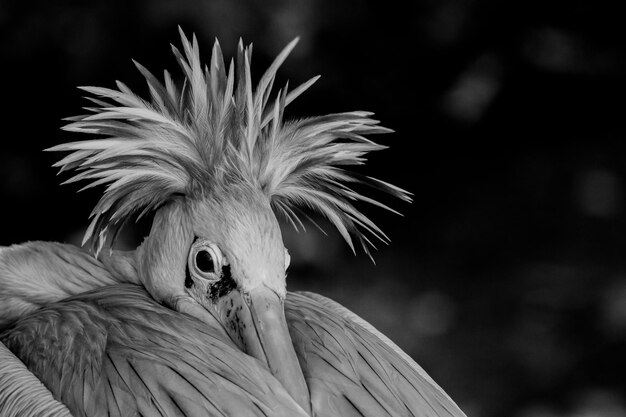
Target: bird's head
236	226
221	258
217	162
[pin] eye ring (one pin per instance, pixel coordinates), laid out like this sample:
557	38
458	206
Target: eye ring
205	260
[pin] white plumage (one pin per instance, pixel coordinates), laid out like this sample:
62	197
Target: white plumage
197	320
215	128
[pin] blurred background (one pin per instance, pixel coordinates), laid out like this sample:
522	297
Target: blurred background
506	277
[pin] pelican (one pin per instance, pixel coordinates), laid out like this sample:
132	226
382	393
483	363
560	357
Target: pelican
197	320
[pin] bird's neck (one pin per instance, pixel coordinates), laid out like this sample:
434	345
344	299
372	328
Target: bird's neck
36	274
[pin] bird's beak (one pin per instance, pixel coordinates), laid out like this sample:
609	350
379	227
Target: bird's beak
256	322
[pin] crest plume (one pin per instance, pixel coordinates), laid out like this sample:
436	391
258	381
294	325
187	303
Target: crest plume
216	126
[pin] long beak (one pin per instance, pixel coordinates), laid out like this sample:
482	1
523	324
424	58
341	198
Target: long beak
256	322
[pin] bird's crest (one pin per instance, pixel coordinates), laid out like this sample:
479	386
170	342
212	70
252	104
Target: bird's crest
218	126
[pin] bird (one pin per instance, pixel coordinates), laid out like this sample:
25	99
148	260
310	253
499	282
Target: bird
197	320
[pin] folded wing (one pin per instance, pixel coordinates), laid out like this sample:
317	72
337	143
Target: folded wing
352	370
115	352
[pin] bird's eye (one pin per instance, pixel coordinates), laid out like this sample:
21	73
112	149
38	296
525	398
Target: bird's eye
205	260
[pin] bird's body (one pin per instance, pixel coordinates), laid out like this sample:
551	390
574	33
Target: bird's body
197	320
112	350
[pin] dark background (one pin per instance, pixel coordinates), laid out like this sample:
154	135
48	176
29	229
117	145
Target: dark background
506	277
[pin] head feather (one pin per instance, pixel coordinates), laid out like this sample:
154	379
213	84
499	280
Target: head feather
185	141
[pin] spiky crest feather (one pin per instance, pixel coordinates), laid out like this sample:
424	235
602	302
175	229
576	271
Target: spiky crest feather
185	140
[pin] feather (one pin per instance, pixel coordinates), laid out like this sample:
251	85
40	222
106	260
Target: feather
348	362
215	128
125	352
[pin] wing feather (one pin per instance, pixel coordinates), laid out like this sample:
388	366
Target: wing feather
114	351
346	361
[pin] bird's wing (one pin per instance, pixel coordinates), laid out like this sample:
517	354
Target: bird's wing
22	394
35	274
115	352
353	370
